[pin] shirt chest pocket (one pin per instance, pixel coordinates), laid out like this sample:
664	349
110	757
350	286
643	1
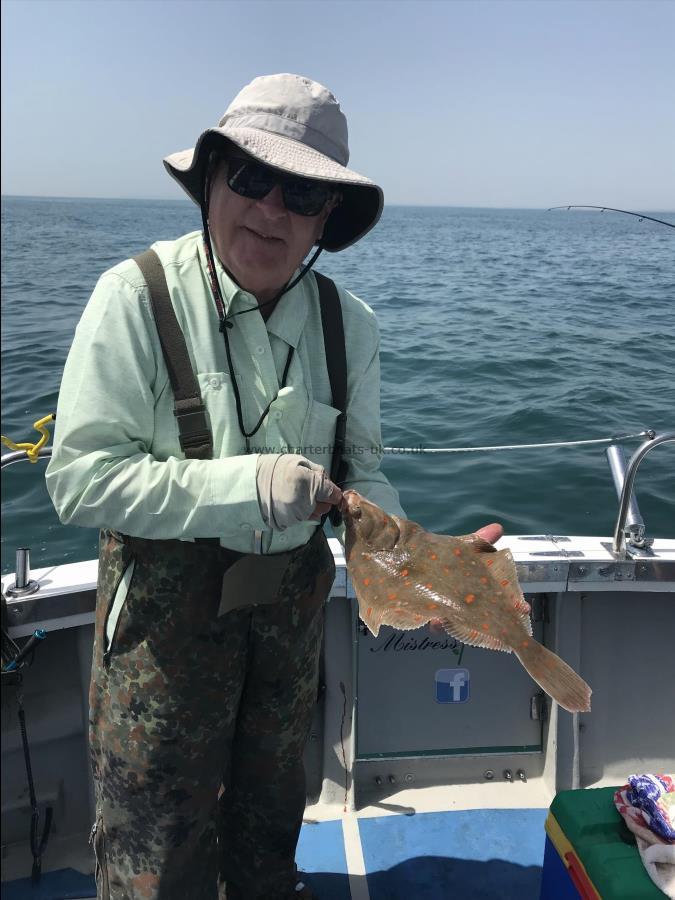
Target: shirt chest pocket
319	433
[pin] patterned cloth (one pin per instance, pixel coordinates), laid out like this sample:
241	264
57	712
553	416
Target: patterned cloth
647	805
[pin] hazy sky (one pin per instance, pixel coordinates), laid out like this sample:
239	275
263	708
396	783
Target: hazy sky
481	103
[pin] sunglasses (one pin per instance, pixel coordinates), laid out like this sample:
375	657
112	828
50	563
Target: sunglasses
254	181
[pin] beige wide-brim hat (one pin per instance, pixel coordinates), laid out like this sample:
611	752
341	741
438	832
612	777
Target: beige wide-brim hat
297	126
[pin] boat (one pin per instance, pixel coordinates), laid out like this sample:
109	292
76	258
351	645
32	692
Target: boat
431	766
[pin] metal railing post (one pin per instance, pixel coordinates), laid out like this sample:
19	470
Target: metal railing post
619	543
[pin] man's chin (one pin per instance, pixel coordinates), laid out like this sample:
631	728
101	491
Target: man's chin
257	273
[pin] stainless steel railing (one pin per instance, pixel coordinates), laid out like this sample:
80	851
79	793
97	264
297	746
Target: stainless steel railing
624	478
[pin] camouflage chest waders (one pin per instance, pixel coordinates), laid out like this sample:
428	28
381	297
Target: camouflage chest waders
183	700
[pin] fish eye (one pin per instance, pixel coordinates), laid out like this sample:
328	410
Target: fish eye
356	512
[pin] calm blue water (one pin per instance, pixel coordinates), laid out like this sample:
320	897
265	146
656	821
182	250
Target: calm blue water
498	327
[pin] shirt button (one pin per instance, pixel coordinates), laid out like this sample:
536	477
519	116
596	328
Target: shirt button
260	350
283	539
278	414
215	383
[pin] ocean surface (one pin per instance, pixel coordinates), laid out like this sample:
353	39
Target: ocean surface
498	327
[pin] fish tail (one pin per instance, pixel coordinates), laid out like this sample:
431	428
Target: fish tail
555	677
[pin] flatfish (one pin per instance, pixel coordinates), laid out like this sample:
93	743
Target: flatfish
405	576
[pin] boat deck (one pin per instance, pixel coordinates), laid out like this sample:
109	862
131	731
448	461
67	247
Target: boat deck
482	854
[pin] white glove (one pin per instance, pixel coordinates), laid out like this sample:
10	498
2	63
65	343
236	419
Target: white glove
289	488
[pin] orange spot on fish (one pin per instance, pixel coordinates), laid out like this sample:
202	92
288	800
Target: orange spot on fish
486	627
469	598
489	562
429	585
391	597
431	606
504	583
483	580
457	551
433	556
407	583
465	574
366	581
525	644
404	573
446	570
369	611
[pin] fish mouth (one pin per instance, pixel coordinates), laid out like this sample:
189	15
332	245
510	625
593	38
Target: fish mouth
350	504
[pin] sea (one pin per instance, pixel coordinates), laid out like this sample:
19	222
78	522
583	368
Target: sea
498	327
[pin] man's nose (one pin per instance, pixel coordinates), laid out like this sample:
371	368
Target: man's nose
273	203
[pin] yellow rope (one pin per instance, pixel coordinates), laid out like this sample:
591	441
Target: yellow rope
32	450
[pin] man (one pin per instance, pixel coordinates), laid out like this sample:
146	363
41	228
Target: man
206	651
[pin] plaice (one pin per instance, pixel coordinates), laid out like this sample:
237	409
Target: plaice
404	576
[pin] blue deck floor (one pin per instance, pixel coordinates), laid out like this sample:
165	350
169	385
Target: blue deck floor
489	854
468	855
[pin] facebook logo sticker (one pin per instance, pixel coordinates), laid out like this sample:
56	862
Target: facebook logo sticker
452	685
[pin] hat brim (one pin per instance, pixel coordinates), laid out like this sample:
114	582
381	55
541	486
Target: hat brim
362	199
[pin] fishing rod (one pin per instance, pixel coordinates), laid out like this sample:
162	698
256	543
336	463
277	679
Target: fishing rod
626	212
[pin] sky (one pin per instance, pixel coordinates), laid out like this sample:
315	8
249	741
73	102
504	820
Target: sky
497	103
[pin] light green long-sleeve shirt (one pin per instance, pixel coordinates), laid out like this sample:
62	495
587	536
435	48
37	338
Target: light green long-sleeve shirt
117	460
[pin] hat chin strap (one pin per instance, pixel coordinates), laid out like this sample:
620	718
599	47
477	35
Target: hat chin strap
227	319
226	322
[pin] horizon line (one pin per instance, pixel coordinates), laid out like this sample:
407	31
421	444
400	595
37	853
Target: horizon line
186	201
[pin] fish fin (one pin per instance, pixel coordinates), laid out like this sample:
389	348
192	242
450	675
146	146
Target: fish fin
555	677
372	626
369	612
403	623
398	618
472	637
503	569
478	545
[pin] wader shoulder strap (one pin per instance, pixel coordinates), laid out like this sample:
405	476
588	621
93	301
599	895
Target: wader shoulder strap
336	361
193	428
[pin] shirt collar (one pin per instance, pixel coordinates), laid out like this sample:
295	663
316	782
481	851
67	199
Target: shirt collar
289	315
232	294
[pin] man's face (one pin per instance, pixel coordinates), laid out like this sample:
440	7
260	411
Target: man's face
259	242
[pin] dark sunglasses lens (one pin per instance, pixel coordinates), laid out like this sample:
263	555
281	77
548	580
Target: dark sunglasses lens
250	180
254	181
307	198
